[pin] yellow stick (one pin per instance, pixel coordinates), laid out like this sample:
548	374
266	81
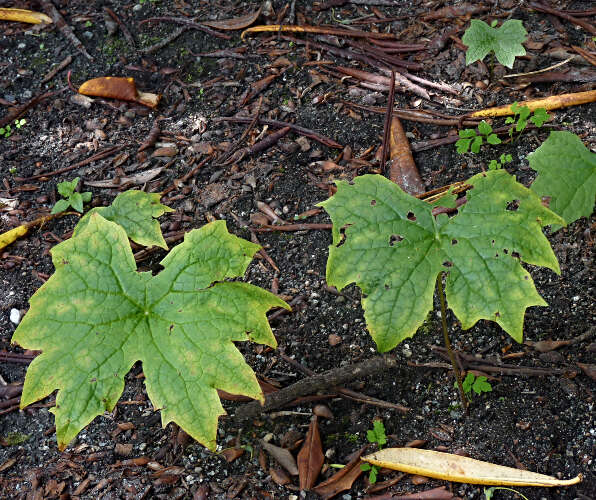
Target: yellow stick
548	103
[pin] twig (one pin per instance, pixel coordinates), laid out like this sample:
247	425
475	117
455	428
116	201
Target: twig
10	117
189	23
123	27
54	71
276	123
51	11
268	228
167	40
98	156
387	124
310	385
579	22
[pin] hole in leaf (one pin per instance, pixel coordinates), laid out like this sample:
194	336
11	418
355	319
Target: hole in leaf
454	241
515	255
493	242
94	379
505	251
386	286
448	263
411	216
496	255
526	277
513	206
342	232
497	314
545	200
373	202
394	238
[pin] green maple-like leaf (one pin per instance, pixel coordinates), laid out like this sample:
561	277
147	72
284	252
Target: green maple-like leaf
135	212
505	41
567	173
393	249
96	316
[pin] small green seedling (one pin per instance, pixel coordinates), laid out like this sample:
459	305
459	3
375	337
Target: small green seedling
470	141
476	384
7	131
375	435
519	120
489	492
505	42
71	197
500	163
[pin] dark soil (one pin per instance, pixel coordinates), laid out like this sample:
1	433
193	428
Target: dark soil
545	424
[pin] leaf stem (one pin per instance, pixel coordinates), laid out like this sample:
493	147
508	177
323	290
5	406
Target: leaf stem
460	386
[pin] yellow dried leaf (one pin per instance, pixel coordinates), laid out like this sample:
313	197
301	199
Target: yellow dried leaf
14	234
23	16
450	467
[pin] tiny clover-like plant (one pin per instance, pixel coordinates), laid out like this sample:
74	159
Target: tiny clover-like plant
519	120
500	163
135	211
566	174
377	436
477	384
505	41
390	245
96	316
70	197
470	141
7	130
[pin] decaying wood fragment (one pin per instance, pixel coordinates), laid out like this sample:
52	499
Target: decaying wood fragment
310	385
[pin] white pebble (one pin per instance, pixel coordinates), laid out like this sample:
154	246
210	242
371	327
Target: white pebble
15	316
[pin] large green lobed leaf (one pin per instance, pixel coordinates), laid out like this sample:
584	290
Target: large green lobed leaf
96	316
505	41
567	174
393	248
134	211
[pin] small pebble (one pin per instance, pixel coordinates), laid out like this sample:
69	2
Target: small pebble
15	316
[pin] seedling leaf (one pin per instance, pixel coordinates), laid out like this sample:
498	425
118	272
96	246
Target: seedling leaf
484	128
66	188
393	249
135	212
505	41
481	385
463	145
567	173
377	434
96	316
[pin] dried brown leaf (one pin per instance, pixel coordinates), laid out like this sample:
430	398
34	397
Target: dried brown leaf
403	170
231	454
115	87
342	480
282	456
236	23
310	457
